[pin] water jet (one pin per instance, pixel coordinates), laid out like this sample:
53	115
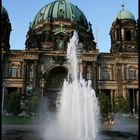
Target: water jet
78	113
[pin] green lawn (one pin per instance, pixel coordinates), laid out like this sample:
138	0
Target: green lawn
17	120
130	121
30	120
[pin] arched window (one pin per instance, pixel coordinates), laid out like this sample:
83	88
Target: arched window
117	35
128	35
14	71
61	14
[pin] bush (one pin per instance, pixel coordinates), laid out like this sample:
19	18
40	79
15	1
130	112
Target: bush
105	105
32	105
12	103
121	105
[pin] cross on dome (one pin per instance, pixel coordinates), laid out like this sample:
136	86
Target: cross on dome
122	6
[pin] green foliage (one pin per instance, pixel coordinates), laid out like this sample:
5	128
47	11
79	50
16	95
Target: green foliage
33	104
104	103
121	105
12	103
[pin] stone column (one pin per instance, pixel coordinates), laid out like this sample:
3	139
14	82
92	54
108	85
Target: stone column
122	72
42	87
24	74
119	79
137	100
84	70
6	68
18	90
116	93
110	72
99	70
112	99
124	92
18	71
81	67
35	75
127	73
21	70
94	79
122	32
137	75
113	71
128	97
115	35
134	101
99	88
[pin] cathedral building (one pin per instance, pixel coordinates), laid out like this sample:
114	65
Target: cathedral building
42	66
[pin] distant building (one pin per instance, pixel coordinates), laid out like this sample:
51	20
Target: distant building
42	66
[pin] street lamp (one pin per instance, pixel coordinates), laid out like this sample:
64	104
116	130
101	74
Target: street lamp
3	94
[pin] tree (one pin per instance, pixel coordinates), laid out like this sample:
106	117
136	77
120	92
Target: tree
12	103
32	105
121	105
104	103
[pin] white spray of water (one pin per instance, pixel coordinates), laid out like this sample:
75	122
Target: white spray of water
77	118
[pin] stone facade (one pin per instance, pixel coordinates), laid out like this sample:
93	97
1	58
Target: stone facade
42	66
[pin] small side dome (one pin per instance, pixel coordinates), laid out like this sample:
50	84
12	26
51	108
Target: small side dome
5	30
4	13
123	14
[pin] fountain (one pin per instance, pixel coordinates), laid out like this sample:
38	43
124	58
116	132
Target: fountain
78	113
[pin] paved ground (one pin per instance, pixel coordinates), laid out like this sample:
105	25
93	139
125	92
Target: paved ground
21	132
33	132
131	128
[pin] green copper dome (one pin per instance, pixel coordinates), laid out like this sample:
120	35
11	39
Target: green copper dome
3	10
60	10
123	14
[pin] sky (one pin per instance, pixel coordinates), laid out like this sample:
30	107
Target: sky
100	13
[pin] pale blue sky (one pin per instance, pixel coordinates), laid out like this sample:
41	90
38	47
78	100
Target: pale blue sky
100	13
